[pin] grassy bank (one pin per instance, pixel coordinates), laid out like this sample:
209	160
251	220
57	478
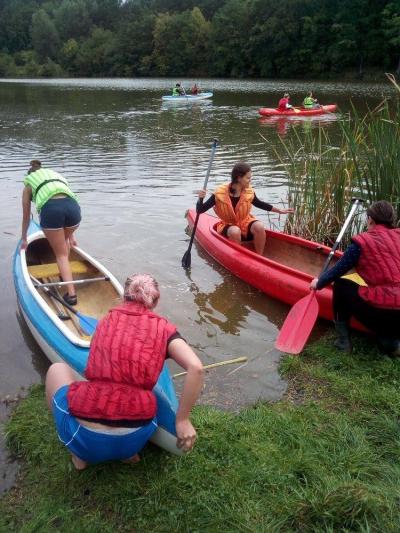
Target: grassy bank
325	458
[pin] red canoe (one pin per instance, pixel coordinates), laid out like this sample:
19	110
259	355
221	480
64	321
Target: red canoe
284	272
297	111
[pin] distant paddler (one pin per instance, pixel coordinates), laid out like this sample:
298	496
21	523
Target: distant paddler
310	102
60	216
178	90
233	202
373	299
284	103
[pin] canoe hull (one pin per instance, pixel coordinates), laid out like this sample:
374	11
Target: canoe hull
275	279
187	98
59	348
271	112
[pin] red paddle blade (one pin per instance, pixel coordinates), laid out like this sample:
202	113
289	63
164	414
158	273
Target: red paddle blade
298	325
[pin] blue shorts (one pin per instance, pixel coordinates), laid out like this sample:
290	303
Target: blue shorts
93	445
60	213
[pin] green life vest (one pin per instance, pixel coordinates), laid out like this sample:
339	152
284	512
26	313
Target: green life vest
308	101
175	92
46	183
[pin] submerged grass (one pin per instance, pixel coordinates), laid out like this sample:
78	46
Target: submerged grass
326	458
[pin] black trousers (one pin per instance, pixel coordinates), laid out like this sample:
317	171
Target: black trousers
347	303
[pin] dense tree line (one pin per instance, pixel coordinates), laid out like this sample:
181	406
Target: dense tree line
226	38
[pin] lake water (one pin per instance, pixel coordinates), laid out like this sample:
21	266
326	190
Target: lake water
135	164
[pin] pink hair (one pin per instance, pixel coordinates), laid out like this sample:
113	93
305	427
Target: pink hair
143	289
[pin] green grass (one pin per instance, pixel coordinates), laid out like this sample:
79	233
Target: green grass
326	458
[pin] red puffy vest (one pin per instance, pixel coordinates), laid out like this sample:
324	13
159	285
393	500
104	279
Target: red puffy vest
282	104
379	266
126	357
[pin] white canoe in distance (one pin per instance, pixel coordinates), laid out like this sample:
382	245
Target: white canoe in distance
64	340
187	97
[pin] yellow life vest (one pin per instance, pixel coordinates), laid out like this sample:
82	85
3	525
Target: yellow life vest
240	216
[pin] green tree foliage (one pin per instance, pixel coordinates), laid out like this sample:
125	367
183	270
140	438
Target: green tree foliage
241	38
45	39
391	32
95	56
181	43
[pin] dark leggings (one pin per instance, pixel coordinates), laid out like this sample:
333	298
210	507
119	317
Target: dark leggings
347	303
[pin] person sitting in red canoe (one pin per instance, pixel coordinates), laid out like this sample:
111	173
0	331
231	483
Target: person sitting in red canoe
284	103
375	255
310	102
195	89
232	202
111	416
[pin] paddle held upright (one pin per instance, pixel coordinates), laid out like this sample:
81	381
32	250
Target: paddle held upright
187	259
303	315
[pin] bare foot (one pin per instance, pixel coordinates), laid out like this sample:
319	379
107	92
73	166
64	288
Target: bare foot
79	464
132	460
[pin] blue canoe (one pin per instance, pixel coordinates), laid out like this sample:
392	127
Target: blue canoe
64	340
187	97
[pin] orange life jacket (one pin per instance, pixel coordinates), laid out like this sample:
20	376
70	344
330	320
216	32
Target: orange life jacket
240	216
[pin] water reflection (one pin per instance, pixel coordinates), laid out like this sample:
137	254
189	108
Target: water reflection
230	301
284	124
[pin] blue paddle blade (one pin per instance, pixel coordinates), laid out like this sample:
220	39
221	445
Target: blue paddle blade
87	323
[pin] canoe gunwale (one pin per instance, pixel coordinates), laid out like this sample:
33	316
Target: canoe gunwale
271	262
302	112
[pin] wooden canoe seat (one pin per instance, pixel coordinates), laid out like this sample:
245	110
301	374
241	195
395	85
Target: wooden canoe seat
51	269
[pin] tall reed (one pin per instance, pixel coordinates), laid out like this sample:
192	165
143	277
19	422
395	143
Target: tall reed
323	177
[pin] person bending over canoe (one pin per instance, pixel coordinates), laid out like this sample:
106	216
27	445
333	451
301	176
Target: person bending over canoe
375	255
111	416
60	216
284	103
232	202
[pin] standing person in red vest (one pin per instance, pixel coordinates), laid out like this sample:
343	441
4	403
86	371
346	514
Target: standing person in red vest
375	255
111	416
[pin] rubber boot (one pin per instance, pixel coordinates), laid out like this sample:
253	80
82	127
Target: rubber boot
389	345
342	341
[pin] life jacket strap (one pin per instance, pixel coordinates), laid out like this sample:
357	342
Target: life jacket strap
45	183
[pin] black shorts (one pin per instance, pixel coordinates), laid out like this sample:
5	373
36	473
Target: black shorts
248	237
59	213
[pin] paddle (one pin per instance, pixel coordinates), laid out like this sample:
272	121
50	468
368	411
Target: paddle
87	323
303	315
186	259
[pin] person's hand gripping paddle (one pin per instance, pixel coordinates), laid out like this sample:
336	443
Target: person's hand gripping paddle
303	315
187	259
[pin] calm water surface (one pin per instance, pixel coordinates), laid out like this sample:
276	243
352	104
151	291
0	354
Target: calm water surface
135	164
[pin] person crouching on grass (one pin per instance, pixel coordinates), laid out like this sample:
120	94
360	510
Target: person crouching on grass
111	416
